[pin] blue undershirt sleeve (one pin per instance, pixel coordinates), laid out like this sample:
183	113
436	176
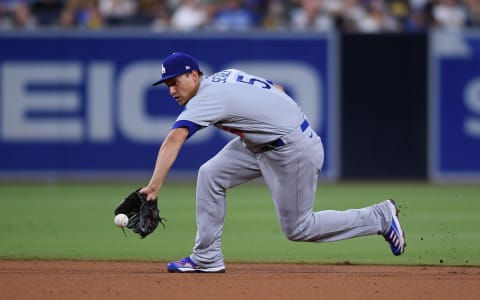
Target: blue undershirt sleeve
192	127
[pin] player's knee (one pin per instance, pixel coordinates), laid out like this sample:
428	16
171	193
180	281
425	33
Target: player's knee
295	233
203	170
207	171
208	177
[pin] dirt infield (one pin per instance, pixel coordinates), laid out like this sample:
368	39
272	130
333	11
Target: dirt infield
142	280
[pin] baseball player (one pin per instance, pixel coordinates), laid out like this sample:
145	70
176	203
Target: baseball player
274	141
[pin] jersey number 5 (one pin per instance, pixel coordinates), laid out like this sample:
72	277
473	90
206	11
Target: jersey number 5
263	84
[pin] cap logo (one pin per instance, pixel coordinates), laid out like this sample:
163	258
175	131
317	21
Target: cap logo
187	67
163	69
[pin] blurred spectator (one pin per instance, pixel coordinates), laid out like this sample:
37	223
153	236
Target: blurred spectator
419	4
473	16
239	15
417	20
81	14
378	19
257	9
310	16
16	14
399	10
276	15
22	16
449	14
117	12
159	13
332	7
190	15
146	12
232	16
351	13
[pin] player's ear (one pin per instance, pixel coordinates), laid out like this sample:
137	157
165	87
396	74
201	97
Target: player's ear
195	74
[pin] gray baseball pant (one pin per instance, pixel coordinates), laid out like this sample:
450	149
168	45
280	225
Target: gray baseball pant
291	174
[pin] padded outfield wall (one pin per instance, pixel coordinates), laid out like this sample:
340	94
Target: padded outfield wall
78	105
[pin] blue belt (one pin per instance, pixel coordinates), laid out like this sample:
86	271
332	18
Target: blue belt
279	142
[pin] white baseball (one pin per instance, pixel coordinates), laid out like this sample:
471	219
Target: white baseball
121	220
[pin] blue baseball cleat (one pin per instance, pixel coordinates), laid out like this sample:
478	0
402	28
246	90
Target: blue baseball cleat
186	265
395	235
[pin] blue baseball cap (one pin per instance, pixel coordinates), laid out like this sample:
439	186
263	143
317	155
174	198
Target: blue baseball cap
175	64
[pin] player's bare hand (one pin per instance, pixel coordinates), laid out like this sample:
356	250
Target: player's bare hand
149	192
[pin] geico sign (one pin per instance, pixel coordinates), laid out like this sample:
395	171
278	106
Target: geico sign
75	102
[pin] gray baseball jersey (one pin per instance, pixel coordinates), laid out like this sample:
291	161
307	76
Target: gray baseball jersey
274	142
248	106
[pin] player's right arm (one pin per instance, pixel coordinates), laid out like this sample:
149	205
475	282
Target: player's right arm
166	157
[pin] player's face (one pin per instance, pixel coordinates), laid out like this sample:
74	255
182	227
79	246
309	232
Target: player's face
183	87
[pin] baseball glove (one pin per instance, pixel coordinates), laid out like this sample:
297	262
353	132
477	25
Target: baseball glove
143	216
